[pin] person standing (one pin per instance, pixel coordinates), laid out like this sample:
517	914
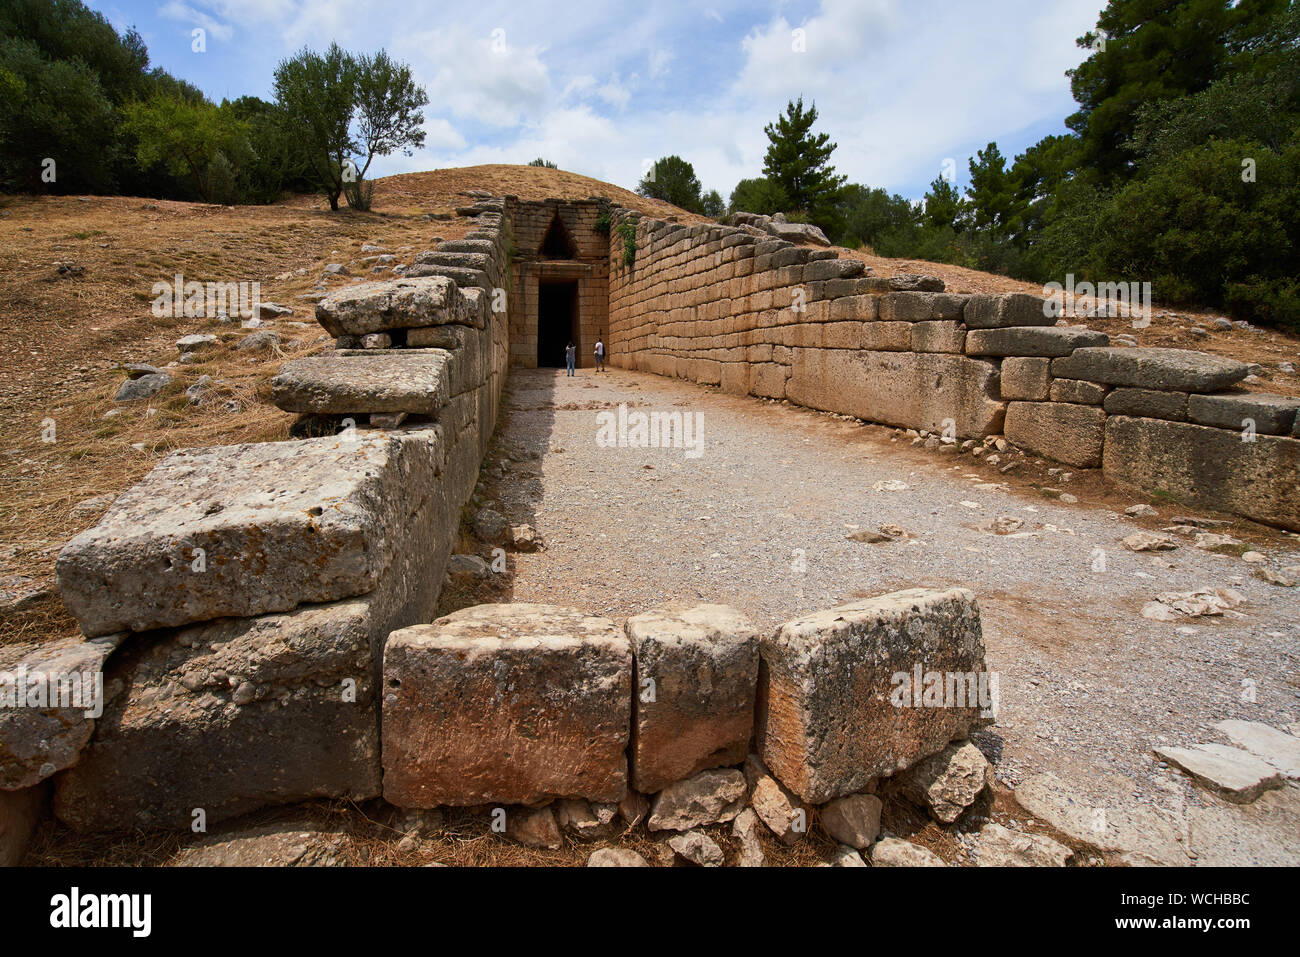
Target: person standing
600	354
570	357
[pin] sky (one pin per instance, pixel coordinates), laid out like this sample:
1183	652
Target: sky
604	88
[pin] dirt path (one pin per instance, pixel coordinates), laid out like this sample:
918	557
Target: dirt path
759	521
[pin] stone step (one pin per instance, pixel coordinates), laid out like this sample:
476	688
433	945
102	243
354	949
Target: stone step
1031	341
1265	413
247	530
395	304
1169	370
357	381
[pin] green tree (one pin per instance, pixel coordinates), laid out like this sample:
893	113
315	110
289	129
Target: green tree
990	193
388	103
759	195
943	204
545	163
711	204
189	138
672	180
318	96
869	213
799	162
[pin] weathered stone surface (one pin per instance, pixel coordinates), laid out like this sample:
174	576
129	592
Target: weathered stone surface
1026	377
745	830
1001	847
584	821
697	848
633	808
1214	467
50	695
1278	748
143	387
616	857
278	524
274	845
783	813
533	828
232	716
20	813
1147	403
1031	341
195	342
344	383
826	723
1266	414
1149	542
532	702
702	666
844	856
1233	774
1170	370
707	798
853	820
395	304
905	389
1077	391
1004	311
1068	433
894	852
938	336
949	782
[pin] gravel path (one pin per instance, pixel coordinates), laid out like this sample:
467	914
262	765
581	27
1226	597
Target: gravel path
759	520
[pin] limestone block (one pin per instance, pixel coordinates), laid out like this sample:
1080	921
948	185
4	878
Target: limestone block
1026	378
1170	370
1068	433
1147	403
395	304
1267	414
1031	341
1005	311
350	382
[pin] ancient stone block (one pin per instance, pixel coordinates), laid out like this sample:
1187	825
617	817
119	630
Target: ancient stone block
414	381
1202	465
395	304
229	717
907	306
1264	413
1068	433
839	704
886	336
695	679
940	335
1026	378
1004	311
1147	403
1170	370
906	389
1031	341
50	695
511	703
1078	391
245	530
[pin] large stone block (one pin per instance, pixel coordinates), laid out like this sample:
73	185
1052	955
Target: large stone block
1068	433
695	680
1257	411
905	389
939	335
395	304
246	530
1215	468
511	703
1031	341
838	706
1170	370
364	381
1004	311
50	695
1147	404
232	716
1028	378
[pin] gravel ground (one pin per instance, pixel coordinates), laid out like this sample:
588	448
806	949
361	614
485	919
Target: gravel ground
759	521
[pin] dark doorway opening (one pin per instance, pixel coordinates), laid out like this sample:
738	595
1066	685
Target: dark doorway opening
557	321
557	243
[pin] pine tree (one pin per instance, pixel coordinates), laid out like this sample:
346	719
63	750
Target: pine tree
798	161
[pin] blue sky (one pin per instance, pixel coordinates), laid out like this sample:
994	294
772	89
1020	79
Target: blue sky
604	88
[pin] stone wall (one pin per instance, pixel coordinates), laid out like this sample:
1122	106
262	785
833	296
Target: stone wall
733	307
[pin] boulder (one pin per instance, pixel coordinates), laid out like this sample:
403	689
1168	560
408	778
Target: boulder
894	852
853	820
395	304
839	704
783	813
1073	434
533	827
616	857
414	381
709	797
262	340
533	701
1169	370
144	387
947	783
245	530
745	830
698	848
695	679
51	693
195	342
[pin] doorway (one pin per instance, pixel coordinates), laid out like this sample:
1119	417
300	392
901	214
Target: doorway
557	321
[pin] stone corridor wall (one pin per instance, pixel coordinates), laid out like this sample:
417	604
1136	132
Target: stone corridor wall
733	307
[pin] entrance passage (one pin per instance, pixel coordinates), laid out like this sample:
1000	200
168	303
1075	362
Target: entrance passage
557	321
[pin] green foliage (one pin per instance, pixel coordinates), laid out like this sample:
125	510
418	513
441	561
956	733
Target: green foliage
188	138
547	164
672	180
759	195
798	161
943	204
317	95
603	223
868	214
711	205
627	232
